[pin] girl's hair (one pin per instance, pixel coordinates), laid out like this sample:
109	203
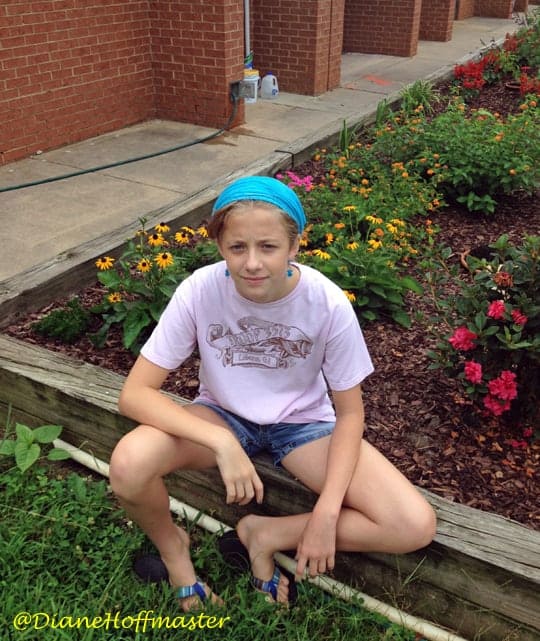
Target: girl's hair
217	222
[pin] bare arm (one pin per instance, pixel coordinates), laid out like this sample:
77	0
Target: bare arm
142	400
316	549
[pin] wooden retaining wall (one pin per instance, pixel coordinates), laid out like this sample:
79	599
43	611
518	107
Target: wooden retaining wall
480	576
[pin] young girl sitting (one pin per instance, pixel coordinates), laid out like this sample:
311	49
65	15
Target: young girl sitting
274	337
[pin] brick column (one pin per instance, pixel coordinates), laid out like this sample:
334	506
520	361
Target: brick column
198	49
464	9
493	8
379	26
437	20
299	41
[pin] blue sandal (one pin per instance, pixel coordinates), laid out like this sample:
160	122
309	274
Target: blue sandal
197	589
270	587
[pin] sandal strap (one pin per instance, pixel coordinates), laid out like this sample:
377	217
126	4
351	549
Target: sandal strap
197	589
268	586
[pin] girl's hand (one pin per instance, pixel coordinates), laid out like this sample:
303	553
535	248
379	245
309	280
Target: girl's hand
316	549
240	478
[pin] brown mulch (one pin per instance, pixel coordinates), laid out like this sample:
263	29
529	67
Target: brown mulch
414	415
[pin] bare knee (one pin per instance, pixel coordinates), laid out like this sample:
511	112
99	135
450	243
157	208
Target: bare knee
130	470
420	527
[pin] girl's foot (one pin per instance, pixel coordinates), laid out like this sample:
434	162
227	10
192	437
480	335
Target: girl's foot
252	532
182	574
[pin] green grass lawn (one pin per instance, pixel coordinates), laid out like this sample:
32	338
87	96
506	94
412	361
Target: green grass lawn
66	552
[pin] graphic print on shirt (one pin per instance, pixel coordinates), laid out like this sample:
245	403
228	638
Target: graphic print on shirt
259	343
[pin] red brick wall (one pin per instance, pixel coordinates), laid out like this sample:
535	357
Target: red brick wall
71	69
437	20
380	26
493	8
198	49
300	42
464	9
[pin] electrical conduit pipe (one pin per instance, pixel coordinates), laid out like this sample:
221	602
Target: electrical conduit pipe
426	629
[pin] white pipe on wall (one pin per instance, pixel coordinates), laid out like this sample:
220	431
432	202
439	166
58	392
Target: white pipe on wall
426	629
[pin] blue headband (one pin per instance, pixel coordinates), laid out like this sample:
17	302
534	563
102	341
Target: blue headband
265	189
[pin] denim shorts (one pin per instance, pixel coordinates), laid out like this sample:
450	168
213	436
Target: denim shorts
278	438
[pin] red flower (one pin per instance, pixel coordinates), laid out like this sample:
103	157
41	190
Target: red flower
504	386
496	310
463	339
495	406
473	371
518	317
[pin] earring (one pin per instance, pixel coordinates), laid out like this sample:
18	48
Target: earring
227	273
289	272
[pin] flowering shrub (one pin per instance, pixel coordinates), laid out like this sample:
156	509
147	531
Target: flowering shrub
360	234
140	283
481	156
494	342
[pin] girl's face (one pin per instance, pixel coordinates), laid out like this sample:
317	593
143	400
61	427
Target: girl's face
256	248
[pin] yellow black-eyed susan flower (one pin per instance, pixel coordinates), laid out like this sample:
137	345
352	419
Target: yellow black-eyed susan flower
321	254
349	295
156	240
162	228
144	265
329	238
164	260
105	262
374	244
202	231
349	208
352	245
182	237
114	297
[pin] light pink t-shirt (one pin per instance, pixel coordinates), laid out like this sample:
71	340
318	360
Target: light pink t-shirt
266	362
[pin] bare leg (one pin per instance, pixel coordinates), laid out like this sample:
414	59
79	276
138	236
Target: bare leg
382	510
138	464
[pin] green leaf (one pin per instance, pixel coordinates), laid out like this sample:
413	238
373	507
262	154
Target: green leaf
7	448
26	454
58	454
412	284
47	433
402	318
136	320
24	433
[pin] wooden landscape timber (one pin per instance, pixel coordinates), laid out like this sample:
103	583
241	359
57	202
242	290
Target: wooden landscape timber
480	577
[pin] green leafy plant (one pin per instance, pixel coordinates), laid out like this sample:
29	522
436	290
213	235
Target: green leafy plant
67	324
141	282
27	443
493	345
420	93
476	159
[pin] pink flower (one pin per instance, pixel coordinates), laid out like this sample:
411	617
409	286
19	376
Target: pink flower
496	310
518	317
463	339
473	371
504	386
495	406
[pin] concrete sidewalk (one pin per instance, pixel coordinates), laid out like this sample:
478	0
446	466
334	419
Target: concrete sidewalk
40	223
